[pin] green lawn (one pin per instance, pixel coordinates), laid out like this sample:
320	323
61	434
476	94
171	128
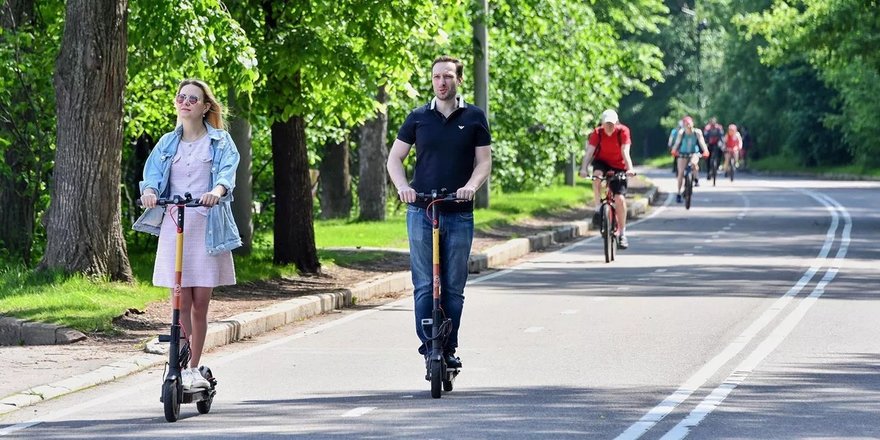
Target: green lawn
90	305
786	164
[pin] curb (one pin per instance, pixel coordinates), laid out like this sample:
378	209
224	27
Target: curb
14	331
249	324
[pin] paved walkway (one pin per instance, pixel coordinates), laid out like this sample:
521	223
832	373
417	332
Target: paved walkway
35	373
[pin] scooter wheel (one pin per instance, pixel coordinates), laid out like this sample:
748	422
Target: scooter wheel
204	406
171	392
447	385
436	378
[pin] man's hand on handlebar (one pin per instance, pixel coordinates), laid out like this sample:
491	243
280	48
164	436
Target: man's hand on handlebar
466	193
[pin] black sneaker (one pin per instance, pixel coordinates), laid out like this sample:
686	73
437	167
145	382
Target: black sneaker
452	361
678	198
696	182
596	219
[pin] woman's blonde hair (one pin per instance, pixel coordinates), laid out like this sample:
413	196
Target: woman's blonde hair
214	115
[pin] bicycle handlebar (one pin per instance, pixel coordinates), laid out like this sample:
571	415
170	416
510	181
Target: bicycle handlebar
177	200
615	175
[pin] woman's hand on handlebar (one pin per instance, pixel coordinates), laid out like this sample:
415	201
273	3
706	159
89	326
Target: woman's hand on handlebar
211	198
149	199
407	194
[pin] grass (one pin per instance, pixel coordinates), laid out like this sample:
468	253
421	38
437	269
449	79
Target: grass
89	305
662	161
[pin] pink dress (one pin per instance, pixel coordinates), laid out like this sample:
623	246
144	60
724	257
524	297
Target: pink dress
191	172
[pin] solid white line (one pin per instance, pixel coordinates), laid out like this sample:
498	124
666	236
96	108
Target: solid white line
703	375
357	412
747	366
568	312
534	329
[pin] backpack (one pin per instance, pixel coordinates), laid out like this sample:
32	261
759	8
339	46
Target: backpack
599	142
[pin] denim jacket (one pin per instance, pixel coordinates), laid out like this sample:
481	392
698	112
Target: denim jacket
221	233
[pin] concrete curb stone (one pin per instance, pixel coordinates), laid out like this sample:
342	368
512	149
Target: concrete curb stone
253	323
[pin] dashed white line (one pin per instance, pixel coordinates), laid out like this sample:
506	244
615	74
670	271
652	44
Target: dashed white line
359	411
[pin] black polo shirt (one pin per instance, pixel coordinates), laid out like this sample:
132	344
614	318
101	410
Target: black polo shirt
445	148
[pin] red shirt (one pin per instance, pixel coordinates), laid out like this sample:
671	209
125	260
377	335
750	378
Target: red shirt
611	150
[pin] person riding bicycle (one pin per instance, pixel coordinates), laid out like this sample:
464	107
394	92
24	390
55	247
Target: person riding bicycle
453	153
671	141
733	143
608	150
687	148
713	132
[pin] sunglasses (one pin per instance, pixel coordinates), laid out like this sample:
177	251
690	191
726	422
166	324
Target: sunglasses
191	99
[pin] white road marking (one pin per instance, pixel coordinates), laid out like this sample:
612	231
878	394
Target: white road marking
533	329
359	411
568	312
726	228
660	270
706	372
698	247
707	241
600	298
689	255
623	288
747	366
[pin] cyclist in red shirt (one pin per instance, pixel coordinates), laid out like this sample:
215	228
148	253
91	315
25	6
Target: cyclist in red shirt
733	143
608	150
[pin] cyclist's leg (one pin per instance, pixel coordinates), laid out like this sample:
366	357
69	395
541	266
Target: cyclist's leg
619	188
695	159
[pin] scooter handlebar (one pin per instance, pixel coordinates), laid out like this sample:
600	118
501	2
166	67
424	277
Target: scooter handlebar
177	200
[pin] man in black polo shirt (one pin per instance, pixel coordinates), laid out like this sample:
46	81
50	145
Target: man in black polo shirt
453	152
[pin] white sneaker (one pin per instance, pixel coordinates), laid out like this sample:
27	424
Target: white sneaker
198	380
186	378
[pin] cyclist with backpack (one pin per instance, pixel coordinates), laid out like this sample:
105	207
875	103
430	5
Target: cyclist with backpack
713	132
687	148
608	150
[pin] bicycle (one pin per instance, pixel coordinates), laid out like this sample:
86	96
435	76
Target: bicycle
688	180
441	376
731	164
173	393
608	214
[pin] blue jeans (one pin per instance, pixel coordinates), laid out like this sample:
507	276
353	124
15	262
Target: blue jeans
456	236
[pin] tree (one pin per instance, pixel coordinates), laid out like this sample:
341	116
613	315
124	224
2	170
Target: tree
372	155
90	66
29	44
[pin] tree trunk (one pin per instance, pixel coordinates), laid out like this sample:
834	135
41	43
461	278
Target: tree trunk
83	227
242	204
335	181
294	230
372	155
481	81
17	200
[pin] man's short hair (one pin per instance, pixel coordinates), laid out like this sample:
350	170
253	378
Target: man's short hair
459	67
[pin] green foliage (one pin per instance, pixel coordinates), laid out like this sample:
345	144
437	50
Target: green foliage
837	38
27	109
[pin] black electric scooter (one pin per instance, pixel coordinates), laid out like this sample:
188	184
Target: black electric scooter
441	375
179	354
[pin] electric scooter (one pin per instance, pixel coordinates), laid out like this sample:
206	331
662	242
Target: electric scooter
179	354
441	376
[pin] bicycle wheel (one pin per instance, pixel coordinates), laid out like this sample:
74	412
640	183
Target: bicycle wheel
732	169
607	238
714	168
688	190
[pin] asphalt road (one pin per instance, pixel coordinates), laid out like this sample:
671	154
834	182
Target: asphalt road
753	315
